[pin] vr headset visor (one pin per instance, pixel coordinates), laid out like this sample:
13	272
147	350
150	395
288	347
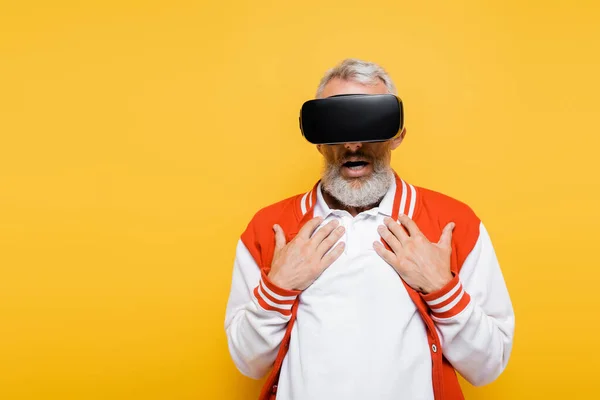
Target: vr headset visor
350	118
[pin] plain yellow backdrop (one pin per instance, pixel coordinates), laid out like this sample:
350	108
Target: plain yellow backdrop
137	139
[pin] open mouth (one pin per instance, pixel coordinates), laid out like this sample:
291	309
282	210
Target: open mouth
355	165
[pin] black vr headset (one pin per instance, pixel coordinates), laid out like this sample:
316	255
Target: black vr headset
348	118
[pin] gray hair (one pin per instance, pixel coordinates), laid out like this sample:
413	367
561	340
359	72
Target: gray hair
352	69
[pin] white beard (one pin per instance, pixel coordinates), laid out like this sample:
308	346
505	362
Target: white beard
358	192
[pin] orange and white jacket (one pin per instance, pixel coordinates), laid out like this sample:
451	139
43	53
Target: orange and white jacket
468	324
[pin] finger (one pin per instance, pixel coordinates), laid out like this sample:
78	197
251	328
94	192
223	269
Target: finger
446	237
397	229
322	233
308	228
279	237
390	239
330	240
411	225
332	255
384	253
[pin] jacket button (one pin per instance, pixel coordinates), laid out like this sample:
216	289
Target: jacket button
434	348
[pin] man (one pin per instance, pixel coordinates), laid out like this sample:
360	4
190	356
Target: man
367	287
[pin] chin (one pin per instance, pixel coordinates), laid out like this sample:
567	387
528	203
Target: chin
359	191
357	181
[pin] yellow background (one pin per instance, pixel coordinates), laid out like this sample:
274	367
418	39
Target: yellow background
138	138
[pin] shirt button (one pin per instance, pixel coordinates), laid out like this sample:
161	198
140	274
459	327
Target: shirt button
434	348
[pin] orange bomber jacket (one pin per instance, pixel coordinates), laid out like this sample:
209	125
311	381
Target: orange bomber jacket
431	211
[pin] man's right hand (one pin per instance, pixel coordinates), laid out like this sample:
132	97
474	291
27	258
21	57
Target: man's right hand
297	264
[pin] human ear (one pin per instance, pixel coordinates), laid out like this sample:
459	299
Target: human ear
398	140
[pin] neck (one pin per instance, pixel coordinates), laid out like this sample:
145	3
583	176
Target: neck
335	204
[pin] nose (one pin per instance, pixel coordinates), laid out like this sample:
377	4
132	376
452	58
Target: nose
353	146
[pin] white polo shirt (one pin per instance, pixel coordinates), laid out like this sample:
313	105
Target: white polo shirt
357	335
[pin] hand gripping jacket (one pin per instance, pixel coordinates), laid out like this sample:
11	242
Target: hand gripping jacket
431	211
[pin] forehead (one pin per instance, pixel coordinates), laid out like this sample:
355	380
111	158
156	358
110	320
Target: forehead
339	86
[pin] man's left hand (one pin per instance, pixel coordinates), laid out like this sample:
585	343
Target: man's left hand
423	265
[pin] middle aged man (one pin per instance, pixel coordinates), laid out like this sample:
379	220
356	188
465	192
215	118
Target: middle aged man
318	299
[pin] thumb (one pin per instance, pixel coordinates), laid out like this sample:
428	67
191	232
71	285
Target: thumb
279	237
446	237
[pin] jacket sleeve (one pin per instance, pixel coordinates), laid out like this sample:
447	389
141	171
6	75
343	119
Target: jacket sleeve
256	317
474	316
